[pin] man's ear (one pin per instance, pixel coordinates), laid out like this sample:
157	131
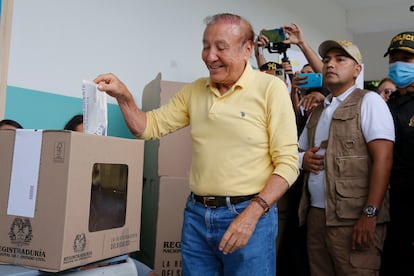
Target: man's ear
247	48
358	69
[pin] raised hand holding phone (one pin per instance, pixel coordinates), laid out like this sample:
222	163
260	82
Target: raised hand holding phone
311	80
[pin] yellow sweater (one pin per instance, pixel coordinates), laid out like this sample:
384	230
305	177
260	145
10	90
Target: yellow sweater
238	139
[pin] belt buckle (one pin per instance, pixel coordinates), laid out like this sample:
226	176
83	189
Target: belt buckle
206	200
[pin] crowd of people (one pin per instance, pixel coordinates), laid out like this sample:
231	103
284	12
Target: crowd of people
353	217
388	134
326	172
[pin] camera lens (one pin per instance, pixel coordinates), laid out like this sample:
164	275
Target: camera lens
412	8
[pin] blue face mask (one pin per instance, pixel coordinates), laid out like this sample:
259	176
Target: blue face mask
402	73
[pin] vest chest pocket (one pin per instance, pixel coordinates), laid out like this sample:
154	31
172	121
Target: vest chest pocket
345	123
345	113
352	166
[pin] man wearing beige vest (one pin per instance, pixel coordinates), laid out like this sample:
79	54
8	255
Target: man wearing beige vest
346	152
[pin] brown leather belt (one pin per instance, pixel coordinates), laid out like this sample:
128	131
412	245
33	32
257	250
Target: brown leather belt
220	201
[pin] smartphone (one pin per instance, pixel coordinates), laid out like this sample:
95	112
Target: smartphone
313	80
275	35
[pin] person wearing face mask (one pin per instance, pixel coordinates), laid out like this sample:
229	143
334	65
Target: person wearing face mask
398	254
401	65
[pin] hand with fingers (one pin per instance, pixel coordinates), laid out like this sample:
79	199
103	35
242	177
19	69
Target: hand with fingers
312	161
311	100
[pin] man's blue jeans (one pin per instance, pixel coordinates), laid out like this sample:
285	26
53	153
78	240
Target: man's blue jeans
202	231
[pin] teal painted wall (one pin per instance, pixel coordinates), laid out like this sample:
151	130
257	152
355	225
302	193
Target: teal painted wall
41	110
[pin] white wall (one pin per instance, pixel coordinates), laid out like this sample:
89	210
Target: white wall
57	44
373	28
373	47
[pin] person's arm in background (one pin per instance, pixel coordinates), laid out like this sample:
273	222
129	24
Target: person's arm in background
296	37
288	69
311	100
259	46
296	96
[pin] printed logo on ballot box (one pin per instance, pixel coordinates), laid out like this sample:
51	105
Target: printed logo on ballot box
21	234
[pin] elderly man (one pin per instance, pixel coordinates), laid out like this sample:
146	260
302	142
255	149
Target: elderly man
244	152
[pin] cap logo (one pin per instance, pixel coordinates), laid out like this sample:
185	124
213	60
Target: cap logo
402	37
345	43
268	66
271	66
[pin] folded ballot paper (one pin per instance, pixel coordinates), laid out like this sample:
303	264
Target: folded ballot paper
95	110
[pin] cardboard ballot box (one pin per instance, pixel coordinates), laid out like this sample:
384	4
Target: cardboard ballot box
173	193
165	189
67	198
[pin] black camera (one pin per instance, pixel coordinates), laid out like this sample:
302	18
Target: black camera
276	38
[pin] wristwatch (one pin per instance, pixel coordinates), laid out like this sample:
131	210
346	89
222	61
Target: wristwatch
370	211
